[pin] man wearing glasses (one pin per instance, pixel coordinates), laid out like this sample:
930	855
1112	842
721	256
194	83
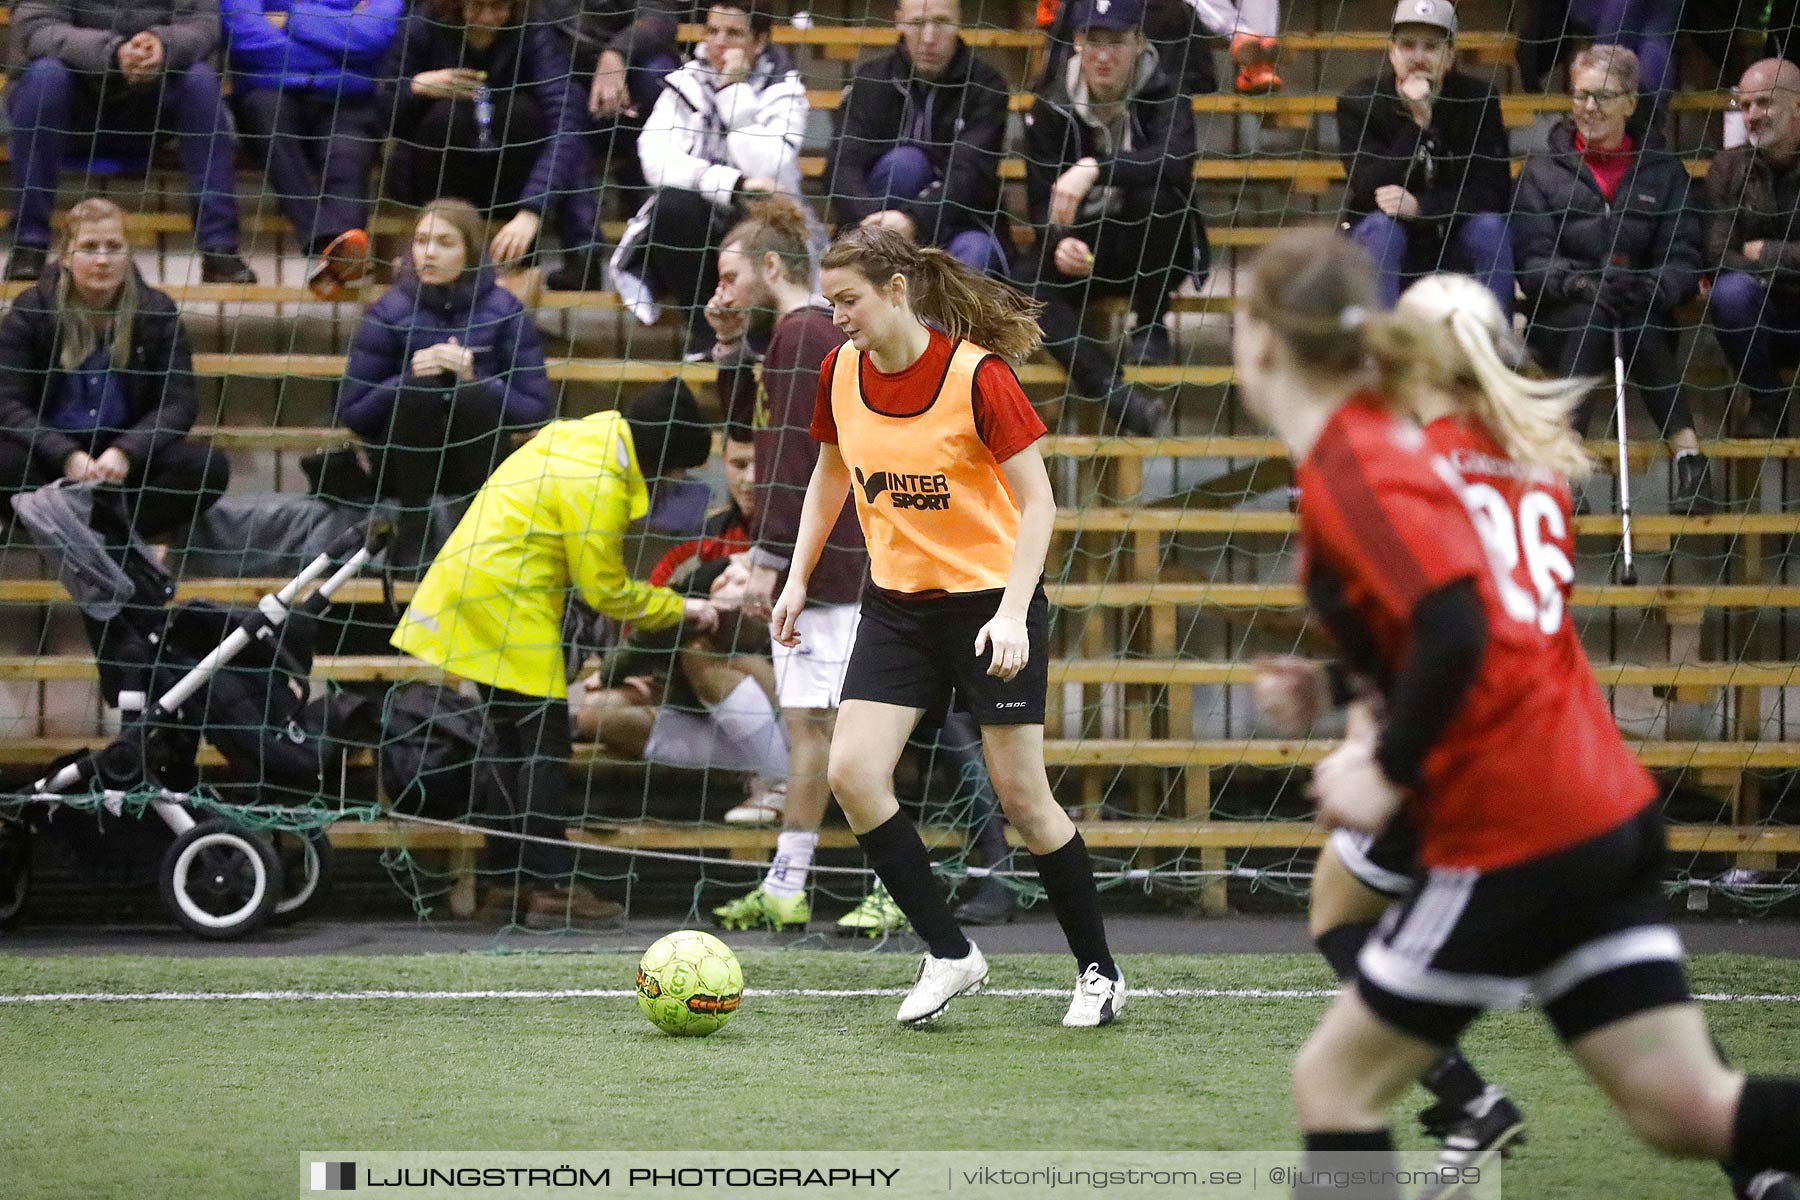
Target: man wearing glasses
1426	153
1753	241
920	133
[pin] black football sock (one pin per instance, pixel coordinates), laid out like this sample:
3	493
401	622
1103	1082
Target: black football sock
1068	878
1327	1153
1765	1134
899	858
1452	1080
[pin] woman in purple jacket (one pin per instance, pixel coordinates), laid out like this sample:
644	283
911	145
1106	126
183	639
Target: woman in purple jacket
444	365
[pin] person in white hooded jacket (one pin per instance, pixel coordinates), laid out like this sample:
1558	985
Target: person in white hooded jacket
727	127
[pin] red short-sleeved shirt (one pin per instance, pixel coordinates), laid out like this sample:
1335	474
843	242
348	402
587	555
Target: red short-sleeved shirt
1533	763
1004	418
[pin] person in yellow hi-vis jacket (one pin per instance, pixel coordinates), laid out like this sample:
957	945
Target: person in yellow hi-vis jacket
550	520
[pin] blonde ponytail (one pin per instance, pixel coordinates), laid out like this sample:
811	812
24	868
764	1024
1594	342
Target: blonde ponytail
1529	417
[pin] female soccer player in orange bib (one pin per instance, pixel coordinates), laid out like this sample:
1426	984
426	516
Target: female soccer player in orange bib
922	414
1540	844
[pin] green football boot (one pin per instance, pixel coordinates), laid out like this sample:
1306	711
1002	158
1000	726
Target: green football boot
876	915
761	910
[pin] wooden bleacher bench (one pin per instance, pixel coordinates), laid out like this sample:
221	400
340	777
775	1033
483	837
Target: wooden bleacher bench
607	370
1286	524
460	847
1166	753
758	844
1497	46
1310	175
1171	672
1293	110
317	437
1210	840
1119	594
632	370
840	41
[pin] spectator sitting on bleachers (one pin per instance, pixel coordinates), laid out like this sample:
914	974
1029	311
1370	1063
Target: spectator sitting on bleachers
623	52
705	701
920	133
487	110
97	382
1172	28
768	284
1426	155
727	127
1109	169
1608	248
303	82
112	75
443	366
1752	195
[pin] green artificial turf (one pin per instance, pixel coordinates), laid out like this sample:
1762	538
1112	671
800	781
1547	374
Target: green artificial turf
219	1098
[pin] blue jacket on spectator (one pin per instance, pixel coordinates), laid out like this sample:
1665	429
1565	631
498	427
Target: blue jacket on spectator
479	314
334	46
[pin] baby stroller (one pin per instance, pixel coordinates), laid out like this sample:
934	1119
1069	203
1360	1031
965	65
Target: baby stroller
237	679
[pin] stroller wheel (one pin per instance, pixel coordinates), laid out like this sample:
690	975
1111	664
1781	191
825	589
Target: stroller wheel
15	871
305	874
220	881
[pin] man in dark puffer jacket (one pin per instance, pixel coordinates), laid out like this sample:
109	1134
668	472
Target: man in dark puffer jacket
1607	244
1753	240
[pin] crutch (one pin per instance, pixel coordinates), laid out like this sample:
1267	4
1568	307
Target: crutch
1627	570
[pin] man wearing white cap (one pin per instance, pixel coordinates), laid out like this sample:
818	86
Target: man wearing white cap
1427	156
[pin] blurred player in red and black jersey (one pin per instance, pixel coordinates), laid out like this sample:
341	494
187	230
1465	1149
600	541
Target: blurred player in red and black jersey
1540	849
1518	485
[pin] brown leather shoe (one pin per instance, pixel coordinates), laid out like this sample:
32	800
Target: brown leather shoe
555	908
498	904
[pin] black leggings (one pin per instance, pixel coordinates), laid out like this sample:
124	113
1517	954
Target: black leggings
1571	337
165	491
441	442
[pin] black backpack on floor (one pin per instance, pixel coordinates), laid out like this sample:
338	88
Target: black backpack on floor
435	753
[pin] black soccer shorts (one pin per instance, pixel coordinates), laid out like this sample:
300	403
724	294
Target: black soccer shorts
1387	862
918	654
1582	932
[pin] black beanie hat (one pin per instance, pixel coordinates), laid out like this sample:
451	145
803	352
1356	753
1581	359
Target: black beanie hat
667	429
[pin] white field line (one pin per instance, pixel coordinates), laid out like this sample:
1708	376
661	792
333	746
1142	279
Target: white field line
353	996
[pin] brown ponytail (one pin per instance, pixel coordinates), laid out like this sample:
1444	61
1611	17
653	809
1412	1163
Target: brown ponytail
962	302
1448	335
